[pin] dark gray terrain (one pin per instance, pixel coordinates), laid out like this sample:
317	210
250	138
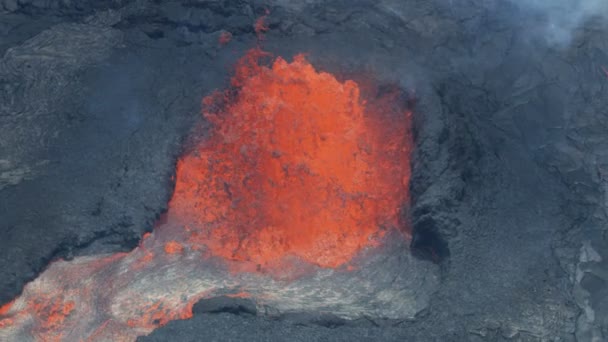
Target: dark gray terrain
510	186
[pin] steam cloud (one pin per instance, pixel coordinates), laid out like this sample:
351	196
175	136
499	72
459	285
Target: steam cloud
560	18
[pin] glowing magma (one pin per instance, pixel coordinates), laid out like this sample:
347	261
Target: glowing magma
296	164
297	170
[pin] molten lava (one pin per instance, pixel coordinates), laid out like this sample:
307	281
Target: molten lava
297	164
298	172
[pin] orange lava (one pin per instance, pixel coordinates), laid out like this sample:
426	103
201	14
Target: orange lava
54	311
297	165
4	308
173	247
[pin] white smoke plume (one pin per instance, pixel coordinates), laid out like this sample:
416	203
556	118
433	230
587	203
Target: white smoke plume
561	18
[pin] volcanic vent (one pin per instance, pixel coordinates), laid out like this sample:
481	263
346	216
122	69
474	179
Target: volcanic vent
295	199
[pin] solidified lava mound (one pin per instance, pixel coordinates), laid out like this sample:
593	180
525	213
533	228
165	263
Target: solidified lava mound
297	167
297	164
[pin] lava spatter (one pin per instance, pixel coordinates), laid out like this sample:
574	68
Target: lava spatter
298	175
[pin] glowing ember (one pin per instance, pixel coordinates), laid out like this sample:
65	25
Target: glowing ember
298	173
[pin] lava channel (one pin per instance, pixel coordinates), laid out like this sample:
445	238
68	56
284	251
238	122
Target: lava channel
297	179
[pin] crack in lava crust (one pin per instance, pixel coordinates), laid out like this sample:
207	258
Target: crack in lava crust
293	200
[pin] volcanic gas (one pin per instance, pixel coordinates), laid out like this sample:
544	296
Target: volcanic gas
298	174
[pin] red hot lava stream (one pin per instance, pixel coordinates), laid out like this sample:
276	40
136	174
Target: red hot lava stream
298	170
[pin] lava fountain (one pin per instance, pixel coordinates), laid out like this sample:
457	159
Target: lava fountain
294	197
296	166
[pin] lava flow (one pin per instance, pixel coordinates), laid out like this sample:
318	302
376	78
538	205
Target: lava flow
298	174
